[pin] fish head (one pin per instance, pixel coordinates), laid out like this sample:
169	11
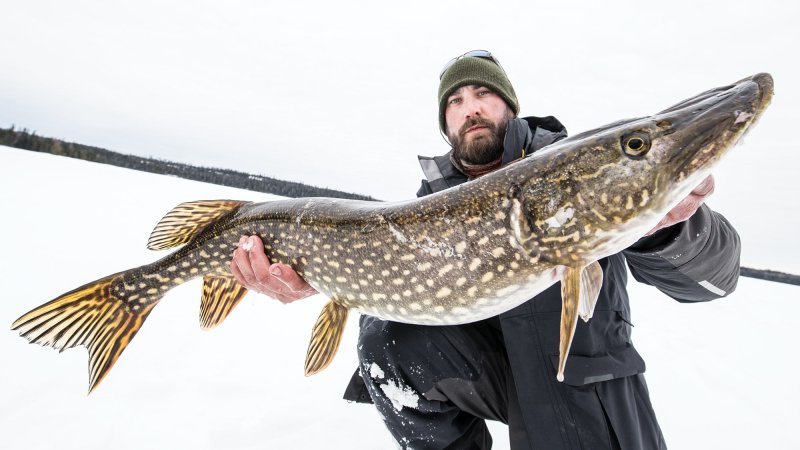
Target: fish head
611	185
685	141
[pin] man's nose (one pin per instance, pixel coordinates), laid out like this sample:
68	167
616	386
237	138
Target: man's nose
472	108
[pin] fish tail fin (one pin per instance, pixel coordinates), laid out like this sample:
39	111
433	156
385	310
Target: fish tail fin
92	315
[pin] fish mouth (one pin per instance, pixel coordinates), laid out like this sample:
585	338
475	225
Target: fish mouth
762	81
707	125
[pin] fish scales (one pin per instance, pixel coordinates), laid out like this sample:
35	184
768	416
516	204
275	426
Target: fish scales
409	262
460	255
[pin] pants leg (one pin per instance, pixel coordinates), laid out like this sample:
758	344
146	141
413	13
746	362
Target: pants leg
435	386
627	404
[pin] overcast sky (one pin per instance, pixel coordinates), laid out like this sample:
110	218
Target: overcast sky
326	92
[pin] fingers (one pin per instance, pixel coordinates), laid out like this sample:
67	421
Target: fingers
688	206
289	277
705	188
253	269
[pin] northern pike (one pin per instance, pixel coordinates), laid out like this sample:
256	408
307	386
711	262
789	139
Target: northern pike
461	255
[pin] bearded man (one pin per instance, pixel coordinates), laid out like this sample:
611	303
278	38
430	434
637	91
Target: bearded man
435	386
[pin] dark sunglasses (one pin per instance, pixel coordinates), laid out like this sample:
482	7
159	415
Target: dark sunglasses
485	54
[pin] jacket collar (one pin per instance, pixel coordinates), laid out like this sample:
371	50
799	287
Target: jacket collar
523	137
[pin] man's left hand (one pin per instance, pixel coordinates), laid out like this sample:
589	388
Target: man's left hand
688	206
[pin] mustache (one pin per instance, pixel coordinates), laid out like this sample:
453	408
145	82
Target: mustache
479	121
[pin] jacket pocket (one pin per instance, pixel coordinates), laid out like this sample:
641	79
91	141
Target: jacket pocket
583	370
624	317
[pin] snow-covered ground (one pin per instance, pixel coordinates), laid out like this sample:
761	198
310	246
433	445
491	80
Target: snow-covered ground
720	373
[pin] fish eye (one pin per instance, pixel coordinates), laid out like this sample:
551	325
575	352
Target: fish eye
635	145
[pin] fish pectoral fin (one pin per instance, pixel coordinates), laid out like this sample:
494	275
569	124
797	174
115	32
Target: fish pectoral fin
220	295
580	287
591	282
326	337
186	220
570	305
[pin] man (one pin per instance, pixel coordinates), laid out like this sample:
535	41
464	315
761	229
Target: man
435	386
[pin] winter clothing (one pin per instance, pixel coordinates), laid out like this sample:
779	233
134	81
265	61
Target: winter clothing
477	71
434	386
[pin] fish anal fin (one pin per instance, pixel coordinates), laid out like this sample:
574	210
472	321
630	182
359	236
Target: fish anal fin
186	220
325	337
591	282
220	295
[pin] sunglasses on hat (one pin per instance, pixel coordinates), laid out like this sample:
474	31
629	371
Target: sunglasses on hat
485	54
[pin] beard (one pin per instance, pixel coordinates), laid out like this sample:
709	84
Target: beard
481	149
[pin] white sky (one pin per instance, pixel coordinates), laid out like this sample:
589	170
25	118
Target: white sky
343	94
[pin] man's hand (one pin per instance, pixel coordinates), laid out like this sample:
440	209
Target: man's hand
688	206
253	270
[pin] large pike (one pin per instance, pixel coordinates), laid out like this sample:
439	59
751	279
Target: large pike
461	255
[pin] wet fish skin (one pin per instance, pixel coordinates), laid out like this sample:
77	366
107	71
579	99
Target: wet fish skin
457	256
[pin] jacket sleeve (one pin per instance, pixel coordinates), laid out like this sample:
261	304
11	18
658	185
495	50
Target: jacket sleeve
696	260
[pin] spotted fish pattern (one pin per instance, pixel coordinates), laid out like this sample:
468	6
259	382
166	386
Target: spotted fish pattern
457	256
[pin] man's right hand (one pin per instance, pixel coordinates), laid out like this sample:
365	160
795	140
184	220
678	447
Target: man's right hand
253	270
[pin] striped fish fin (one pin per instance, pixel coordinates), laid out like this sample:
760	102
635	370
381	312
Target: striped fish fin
90	316
186	220
326	337
579	290
570	305
220	296
591	283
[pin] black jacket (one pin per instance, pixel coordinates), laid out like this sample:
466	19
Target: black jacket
697	260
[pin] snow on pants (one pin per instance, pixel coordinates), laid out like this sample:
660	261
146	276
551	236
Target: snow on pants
435	386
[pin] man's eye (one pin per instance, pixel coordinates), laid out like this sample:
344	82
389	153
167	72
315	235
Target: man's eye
484	92
455	101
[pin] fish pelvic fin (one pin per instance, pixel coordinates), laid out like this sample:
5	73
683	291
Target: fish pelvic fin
187	220
325	338
591	282
220	295
580	288
91	316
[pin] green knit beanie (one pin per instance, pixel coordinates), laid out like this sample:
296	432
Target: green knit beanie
477	71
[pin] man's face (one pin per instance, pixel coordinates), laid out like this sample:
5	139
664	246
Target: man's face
476	121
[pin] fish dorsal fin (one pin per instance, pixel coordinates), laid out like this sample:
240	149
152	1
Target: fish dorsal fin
591	282
326	337
181	224
220	296
580	287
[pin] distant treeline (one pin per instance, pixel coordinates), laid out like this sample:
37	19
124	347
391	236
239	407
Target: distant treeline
28	140
770	275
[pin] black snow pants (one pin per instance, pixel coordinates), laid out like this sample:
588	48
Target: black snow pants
435	386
